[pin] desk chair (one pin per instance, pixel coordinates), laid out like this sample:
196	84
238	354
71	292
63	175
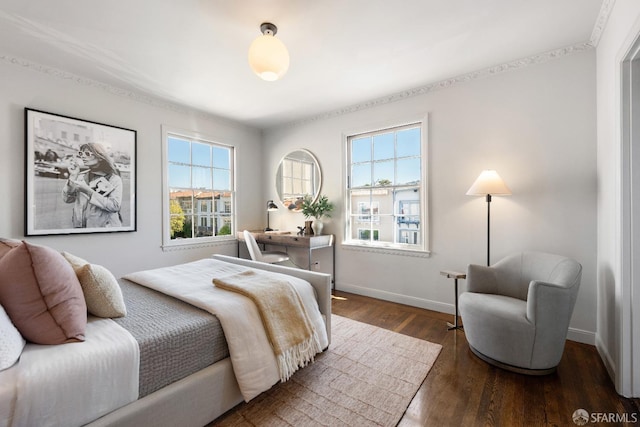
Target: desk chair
270	257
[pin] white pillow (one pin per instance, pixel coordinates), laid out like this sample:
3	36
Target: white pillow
11	342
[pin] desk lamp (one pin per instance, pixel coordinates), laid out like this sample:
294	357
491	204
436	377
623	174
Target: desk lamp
271	207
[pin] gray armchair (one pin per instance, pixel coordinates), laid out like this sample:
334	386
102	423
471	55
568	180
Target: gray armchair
516	313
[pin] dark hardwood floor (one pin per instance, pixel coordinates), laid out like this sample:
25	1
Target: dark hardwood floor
462	390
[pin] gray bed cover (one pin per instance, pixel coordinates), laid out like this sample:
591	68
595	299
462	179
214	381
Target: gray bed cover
176	339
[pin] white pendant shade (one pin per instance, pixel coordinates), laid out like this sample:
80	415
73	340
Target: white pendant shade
489	182
268	57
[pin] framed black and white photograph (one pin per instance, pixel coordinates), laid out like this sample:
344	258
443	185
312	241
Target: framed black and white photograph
80	176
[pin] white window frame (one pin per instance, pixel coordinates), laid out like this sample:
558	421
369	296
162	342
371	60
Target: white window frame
373	215
371	230
388	247
167	242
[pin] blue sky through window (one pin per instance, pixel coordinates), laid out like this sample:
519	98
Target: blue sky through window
383	147
198	165
392	158
361	150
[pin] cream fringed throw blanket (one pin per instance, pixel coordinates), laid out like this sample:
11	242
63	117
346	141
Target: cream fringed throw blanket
289	329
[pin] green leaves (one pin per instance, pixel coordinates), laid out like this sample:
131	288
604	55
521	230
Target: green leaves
317	209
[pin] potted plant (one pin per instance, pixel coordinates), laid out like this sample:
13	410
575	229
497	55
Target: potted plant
318	209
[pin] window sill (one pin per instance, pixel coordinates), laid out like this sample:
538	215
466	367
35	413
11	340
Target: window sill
179	245
387	250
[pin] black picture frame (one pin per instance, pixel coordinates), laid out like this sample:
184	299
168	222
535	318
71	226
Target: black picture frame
80	176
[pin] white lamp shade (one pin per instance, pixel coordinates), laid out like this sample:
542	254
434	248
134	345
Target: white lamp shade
268	57
489	182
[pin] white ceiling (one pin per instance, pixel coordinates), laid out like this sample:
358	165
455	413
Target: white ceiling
343	52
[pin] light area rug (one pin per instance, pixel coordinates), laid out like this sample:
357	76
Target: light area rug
367	377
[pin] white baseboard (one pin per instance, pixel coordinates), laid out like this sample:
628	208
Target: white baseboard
574	334
606	358
399	298
580	335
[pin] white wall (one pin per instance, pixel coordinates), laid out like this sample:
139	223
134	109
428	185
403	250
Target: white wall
622	28
536	126
24	86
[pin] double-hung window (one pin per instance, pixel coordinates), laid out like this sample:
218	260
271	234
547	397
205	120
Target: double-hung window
198	189
386	188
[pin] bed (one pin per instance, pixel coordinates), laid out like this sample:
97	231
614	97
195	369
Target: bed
185	373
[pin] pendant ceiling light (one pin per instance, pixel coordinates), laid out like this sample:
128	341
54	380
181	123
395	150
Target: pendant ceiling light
268	56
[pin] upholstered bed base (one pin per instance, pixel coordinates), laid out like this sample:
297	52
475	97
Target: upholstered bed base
205	395
193	401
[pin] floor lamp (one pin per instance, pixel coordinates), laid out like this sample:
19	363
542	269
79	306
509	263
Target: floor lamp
489	184
271	207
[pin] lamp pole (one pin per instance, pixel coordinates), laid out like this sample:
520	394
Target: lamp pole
268	228
488	229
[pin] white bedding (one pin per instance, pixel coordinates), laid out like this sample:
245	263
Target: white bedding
71	384
253	360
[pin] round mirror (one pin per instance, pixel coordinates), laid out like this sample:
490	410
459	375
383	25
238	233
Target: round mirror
298	176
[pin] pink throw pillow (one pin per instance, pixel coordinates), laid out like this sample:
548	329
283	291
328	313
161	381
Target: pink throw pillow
7	244
42	295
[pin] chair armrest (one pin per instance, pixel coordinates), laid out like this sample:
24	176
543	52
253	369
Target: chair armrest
481	279
550	304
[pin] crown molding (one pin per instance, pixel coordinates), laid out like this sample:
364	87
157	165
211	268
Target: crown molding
84	81
113	90
447	83
601	22
399	96
598	29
